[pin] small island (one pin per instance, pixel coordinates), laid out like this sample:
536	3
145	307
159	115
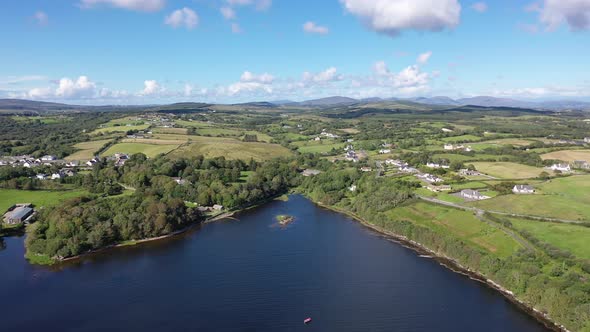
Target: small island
285	219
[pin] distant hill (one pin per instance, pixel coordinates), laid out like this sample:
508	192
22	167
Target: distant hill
329	101
439	100
30	105
264	104
494	102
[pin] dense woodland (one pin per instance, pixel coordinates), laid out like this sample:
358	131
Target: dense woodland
157	205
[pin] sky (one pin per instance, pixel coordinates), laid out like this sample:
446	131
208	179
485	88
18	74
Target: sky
229	51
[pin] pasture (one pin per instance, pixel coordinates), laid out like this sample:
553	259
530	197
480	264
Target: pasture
40	198
150	150
573	238
507	170
563	198
462	224
568	155
87	150
229	148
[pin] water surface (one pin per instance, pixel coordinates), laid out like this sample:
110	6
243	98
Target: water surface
252	275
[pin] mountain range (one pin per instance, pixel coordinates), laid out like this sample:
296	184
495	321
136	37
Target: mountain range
437	102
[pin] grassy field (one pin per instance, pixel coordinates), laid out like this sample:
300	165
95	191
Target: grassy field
506	170
87	149
230	148
568	155
120	129
39	198
462	138
177	131
573	238
316	147
150	150
462	224
564	198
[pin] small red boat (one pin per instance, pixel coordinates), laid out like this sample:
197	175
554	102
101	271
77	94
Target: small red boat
307	320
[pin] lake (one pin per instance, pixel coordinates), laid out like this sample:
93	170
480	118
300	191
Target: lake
250	274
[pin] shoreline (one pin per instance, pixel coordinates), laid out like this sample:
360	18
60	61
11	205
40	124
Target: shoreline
128	243
452	265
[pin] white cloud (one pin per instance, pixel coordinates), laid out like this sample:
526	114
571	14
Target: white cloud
81	88
184	17
480	7
228	13
575	13
41	18
311	27
137	5
391	17
328	75
265	78
248	87
258	4
424	57
235	28
150	87
380	68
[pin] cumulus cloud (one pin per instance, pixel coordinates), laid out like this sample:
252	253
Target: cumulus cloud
311	27
541	92
228	13
258	4
150	87
391	17
41	18
328	75
137	5
575	13
480	7
265	78
424	57
184	17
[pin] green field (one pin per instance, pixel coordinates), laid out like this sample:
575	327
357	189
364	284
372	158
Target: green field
40	198
150	150
316	147
87	149
507	170
562	198
462	224
229	148
120	129
462	138
573	238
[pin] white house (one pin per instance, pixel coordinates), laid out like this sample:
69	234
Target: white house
523	189
352	188
447	130
41	176
48	158
561	167
449	147
384	151
56	176
472	194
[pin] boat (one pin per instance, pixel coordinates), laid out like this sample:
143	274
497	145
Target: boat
307	320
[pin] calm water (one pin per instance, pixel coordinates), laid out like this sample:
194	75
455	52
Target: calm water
250	275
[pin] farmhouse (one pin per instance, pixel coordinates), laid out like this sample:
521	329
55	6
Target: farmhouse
447	130
366	169
384	151
581	164
561	167
523	189
18	214
472	195
466	172
430	178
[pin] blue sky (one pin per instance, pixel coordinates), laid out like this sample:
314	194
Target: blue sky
152	51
